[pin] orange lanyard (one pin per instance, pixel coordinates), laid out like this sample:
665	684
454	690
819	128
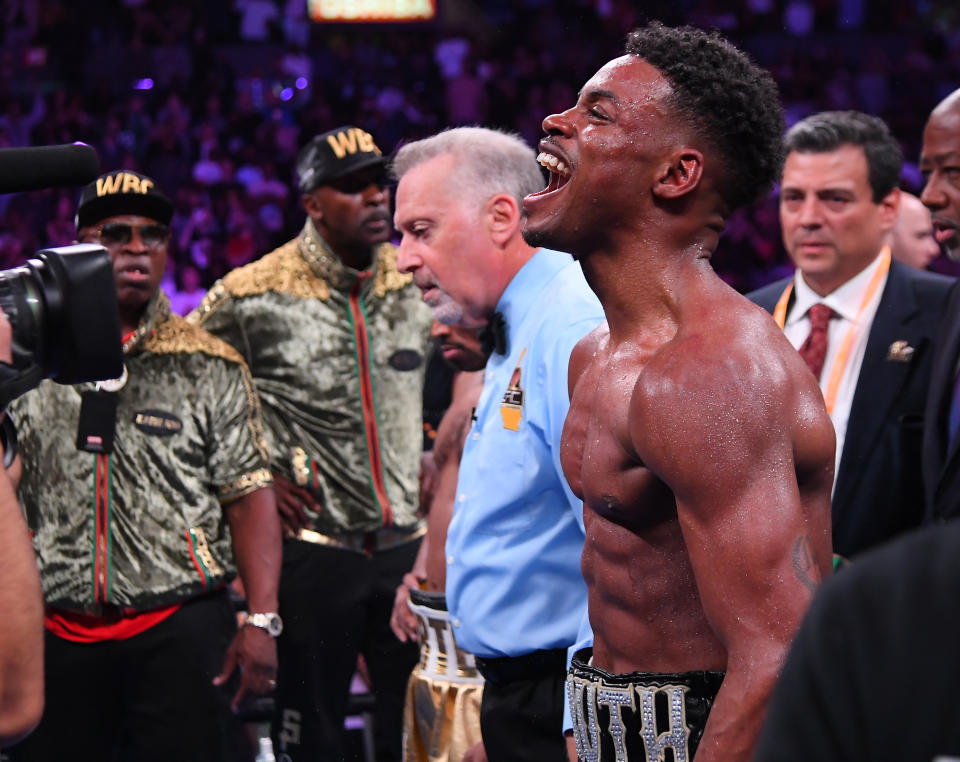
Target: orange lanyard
840	363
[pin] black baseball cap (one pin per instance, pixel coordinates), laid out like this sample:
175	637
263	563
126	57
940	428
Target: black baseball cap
122	192
336	154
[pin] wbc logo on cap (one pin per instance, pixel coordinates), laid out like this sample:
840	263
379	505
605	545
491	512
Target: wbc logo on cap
123	182
352	140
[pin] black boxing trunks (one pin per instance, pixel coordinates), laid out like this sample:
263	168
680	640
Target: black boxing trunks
640	716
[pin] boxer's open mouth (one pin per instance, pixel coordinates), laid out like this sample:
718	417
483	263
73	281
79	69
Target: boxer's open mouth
559	170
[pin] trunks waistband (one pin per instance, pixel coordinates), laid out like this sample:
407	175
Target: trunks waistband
637	716
429	599
440	656
531	666
364	542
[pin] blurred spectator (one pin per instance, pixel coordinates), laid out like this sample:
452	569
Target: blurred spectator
268	186
18	125
257	19
60	230
912	240
12	250
296	26
20	19
798	18
466	96
186	292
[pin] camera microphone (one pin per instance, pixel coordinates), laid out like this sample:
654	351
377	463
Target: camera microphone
29	169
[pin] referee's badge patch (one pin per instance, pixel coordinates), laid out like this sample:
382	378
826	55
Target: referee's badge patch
511	407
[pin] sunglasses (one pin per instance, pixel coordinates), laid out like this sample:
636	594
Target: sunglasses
356	182
153	235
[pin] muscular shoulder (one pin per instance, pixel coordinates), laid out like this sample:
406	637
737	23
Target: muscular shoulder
728	377
177	335
734	343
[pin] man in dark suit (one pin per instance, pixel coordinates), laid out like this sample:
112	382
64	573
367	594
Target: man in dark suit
863	323
940	164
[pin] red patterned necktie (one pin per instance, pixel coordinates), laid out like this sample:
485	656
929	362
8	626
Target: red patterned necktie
814	349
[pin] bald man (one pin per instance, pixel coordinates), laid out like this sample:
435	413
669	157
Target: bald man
939	160
911	240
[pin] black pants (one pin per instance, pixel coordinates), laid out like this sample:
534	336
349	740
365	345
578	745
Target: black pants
146	698
335	604
522	720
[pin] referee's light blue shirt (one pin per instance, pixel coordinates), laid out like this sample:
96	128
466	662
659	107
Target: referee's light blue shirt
513	547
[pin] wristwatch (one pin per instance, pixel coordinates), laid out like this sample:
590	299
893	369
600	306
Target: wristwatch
268	621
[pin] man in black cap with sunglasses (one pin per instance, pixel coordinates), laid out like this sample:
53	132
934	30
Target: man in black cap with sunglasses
145	495
336	339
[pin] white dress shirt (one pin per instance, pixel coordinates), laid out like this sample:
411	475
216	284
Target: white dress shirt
845	301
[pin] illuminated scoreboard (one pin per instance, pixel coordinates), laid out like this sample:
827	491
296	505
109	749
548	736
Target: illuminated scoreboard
372	10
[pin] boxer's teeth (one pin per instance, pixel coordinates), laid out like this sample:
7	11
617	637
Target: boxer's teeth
552	163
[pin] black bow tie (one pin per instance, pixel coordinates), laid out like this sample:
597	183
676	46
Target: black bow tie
493	336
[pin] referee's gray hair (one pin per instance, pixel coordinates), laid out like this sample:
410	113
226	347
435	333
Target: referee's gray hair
487	162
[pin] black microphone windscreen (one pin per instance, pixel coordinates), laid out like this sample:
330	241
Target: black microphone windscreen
29	169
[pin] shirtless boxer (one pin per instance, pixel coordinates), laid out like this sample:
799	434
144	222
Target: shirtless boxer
442	713
696	436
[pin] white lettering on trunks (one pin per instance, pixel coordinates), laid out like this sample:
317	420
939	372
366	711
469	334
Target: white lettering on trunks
586	696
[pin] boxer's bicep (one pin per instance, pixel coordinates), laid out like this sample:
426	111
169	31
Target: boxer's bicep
728	459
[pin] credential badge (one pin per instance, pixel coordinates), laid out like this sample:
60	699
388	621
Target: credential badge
511	407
